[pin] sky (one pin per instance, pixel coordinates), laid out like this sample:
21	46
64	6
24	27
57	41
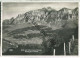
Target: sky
12	9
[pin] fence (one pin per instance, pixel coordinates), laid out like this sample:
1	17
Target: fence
70	43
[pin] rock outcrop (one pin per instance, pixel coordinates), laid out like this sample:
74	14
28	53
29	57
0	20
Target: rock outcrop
45	16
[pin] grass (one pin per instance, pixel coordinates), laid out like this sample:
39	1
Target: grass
30	34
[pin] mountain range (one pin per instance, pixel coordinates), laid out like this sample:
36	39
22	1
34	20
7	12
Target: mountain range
45	16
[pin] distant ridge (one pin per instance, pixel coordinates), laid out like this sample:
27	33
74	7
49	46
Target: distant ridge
45	16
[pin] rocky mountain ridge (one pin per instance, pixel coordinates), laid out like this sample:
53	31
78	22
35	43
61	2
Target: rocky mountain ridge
45	16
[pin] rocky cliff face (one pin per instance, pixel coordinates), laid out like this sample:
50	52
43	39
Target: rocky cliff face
45	16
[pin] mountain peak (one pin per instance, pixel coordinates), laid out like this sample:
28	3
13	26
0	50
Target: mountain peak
47	15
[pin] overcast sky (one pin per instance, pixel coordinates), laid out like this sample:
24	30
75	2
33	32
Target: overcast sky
13	9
